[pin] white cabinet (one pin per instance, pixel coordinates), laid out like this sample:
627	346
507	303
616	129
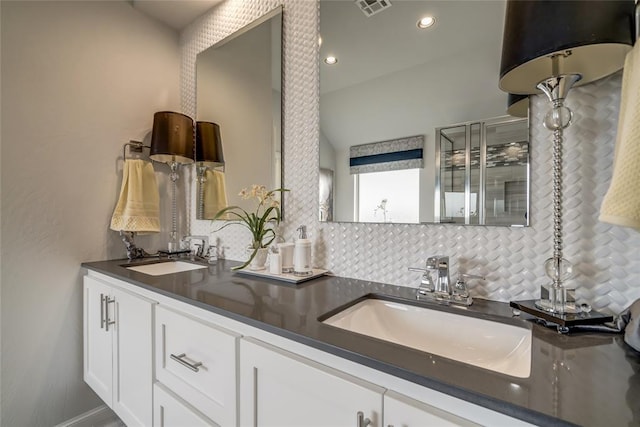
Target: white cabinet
118	359
402	411
170	410
211	370
197	361
280	389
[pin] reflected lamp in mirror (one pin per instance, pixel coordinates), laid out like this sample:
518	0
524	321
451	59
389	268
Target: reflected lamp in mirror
209	145
548	47
172	143
211	187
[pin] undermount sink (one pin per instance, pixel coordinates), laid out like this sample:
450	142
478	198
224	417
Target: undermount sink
479	342
164	267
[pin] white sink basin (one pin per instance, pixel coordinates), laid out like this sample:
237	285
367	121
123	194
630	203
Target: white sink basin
167	267
483	343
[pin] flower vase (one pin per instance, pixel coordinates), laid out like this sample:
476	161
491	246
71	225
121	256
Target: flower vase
259	259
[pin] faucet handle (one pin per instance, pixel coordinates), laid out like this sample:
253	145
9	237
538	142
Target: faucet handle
460	288
426	283
435	262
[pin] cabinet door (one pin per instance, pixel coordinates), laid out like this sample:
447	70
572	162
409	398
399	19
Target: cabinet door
281	389
98	372
171	411
133	357
402	411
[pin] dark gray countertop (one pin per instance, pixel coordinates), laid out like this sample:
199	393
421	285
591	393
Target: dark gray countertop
589	379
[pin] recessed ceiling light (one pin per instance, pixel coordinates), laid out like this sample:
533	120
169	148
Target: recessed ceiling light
330	60
426	22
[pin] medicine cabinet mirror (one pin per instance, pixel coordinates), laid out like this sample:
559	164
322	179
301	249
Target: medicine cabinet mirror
239	87
407	89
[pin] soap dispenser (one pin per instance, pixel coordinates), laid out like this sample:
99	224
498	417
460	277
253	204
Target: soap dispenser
302	253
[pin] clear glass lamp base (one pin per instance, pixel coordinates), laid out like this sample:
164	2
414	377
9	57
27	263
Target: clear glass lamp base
550	307
558	270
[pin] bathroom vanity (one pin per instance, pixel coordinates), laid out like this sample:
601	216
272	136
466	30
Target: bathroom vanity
214	347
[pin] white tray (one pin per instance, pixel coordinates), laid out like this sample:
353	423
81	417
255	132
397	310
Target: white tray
285	277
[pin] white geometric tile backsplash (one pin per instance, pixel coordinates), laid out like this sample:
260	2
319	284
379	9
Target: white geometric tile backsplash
606	258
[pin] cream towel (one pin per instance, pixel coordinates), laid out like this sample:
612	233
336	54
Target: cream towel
621	204
138	208
215	193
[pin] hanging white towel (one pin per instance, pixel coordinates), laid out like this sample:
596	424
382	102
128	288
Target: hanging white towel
215	193
621	204
138	207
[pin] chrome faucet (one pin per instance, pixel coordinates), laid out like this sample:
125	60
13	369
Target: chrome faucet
203	250
440	265
440	289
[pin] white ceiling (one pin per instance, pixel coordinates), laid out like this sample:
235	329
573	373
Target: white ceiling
394	80
390	41
175	13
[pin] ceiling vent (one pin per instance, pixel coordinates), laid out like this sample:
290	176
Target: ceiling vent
371	7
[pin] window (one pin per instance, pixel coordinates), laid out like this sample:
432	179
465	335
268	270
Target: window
391	196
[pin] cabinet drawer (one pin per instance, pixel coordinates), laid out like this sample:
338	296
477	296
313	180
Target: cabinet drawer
171	411
400	410
197	361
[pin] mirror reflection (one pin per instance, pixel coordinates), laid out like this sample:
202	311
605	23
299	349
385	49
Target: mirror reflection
483	170
393	87
239	88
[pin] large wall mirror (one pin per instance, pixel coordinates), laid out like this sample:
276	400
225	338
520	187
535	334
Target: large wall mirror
239	87
394	95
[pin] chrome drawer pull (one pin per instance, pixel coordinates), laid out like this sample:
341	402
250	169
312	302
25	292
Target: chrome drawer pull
108	322
179	358
362	421
102	322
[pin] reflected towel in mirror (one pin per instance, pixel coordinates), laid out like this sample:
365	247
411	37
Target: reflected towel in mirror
215	193
138	207
621	205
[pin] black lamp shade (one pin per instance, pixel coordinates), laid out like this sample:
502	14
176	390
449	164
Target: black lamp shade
518	105
598	35
209	144
172	138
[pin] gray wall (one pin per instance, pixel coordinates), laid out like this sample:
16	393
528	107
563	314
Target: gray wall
79	79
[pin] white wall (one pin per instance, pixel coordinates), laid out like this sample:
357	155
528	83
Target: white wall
79	79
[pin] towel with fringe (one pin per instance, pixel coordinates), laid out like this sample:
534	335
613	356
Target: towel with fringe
621	204
215	193
138	207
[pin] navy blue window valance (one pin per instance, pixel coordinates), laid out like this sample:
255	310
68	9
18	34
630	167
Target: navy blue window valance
395	154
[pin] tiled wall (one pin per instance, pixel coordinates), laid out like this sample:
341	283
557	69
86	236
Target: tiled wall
606	258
